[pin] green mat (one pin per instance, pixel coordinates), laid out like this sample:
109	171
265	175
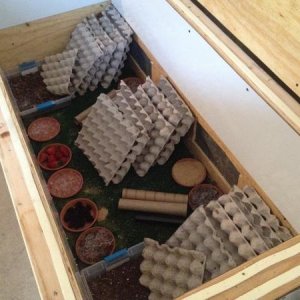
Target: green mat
127	231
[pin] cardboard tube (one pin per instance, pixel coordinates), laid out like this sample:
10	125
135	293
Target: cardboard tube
168	208
154	196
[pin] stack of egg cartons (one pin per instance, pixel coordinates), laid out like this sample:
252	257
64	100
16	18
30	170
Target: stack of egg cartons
230	230
107	138
159	122
101	46
57	71
214	239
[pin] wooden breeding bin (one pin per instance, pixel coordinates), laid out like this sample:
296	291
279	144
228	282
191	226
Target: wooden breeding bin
50	256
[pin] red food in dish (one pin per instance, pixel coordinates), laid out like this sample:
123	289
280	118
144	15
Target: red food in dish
43	157
51	150
65	152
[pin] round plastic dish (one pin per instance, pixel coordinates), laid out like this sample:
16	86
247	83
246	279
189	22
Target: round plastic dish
43	129
94	243
65	183
80	214
61	159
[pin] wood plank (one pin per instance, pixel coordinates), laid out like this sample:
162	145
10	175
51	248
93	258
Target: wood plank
250	275
270	29
283	103
37	39
33	205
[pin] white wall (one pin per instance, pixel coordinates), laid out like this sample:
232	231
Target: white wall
267	147
14	12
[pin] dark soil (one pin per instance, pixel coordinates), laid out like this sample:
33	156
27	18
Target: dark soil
121	283
78	215
202	196
30	90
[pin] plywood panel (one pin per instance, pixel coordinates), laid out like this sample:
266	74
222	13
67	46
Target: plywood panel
37	39
269	28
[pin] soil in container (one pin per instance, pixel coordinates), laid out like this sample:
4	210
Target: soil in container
29	90
121	283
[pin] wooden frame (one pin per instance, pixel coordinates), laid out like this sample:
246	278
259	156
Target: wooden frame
51	260
284	104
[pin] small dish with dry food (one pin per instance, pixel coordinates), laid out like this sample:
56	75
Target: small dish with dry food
43	129
65	183
94	243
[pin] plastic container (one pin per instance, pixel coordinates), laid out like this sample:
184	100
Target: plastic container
108	263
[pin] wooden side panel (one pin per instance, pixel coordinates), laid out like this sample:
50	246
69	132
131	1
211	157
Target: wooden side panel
37	39
270	29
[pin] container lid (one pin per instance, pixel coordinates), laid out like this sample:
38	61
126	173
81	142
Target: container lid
65	183
188	172
94	244
43	129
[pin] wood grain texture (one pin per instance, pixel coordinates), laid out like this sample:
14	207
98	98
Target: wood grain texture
248	277
37	39
270	29
50	257
265	86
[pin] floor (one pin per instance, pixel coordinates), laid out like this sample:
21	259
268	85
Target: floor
16	279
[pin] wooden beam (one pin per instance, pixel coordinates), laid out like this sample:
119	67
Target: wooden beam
262	276
284	104
270	29
52	267
37	39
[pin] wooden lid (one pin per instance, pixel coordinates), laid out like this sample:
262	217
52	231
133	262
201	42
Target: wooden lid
65	183
188	172
43	129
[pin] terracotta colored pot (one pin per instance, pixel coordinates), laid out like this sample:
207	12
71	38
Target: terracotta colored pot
101	243
202	194
73	204
43	129
65	183
43	152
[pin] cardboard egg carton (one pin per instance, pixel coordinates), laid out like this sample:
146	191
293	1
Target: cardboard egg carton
89	52
136	106
167	109
115	62
264	211
57	71
270	236
198	233
119	22
65	55
241	221
123	28
170	272
140	142
108	48
235	236
159	134
184	125
107	138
